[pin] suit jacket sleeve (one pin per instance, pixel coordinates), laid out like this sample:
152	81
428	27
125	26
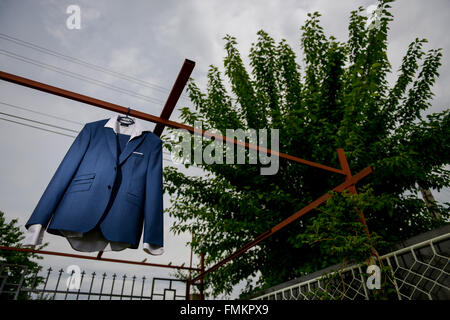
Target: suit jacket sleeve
61	180
153	206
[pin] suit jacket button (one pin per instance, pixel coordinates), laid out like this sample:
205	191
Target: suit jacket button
109	187
115	168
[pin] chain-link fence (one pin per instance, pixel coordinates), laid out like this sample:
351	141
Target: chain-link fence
417	271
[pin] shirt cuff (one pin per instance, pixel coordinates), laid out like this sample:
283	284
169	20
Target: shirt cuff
34	235
153	249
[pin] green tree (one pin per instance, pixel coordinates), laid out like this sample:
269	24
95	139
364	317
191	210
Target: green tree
341	99
19	263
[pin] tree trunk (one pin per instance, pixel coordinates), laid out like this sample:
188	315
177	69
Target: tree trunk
430	202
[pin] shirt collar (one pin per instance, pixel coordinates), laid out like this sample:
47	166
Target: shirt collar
133	130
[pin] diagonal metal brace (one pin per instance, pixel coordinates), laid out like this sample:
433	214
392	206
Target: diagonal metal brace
346	184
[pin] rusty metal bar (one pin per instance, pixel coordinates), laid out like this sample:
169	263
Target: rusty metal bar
352	189
148	117
354	179
202	267
175	93
99	255
188	290
344	163
95	258
346	168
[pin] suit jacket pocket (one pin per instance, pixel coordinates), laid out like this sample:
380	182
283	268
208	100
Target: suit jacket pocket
81	182
136	183
86	176
134	199
80	186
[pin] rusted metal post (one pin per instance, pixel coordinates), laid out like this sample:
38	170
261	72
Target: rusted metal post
175	93
352	188
202	268
188	290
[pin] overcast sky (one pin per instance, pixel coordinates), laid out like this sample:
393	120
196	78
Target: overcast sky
149	40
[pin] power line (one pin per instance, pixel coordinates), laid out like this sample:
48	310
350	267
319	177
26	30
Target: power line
56	132
58	127
63	134
28	125
83	63
43	123
80	77
42	113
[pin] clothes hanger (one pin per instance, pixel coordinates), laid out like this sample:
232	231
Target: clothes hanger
125	120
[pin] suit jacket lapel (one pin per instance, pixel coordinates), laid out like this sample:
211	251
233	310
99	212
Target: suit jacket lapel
130	147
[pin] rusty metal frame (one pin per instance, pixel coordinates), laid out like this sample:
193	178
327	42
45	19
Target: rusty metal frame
79	256
169	106
148	117
161	123
346	184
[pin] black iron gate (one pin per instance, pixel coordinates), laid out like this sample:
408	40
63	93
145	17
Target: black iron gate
17	283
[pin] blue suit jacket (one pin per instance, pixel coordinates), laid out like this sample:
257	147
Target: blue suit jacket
77	196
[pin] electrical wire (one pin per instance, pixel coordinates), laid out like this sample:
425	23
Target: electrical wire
80	77
76	76
84	63
28	125
43	123
60	133
37	112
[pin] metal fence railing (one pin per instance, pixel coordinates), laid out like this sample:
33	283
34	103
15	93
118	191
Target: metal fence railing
417	272
16	283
